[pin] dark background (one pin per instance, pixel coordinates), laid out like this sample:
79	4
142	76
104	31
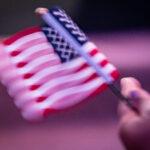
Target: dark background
113	15
91	15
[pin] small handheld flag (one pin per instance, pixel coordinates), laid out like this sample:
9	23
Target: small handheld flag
52	67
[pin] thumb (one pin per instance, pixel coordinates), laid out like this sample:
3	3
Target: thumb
131	88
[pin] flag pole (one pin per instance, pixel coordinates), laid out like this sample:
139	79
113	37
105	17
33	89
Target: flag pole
51	21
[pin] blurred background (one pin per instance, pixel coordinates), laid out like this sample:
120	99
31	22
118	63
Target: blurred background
122	32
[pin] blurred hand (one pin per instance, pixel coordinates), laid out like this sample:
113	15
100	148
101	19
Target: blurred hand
134	129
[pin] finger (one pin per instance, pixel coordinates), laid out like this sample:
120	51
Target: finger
123	110
126	115
128	121
41	11
132	89
128	85
145	104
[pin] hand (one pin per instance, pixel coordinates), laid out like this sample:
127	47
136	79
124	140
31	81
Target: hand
134	129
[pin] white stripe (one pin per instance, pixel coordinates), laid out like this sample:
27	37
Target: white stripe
66	68
88	46
23	40
59	67
84	74
108	69
99	57
69	91
27	52
37	62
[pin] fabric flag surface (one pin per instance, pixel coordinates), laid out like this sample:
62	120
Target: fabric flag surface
43	73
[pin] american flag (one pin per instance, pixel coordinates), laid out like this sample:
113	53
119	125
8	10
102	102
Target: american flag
43	73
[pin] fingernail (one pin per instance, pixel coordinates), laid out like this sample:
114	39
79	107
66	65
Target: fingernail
134	94
134	97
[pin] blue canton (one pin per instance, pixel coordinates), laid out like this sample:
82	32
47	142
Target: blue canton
61	47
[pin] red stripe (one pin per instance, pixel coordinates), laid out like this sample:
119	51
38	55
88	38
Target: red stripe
115	74
28	75
34	87
48	111
93	76
99	90
41	98
15	53
104	63
29	44
21	64
20	34
93	52
83	66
